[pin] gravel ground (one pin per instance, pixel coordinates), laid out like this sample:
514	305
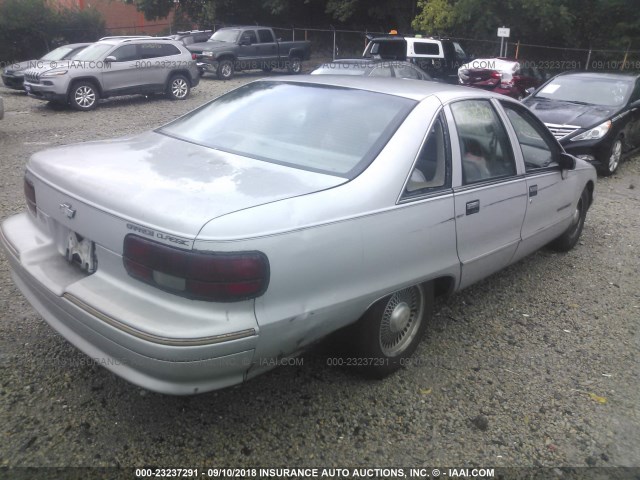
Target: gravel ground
535	366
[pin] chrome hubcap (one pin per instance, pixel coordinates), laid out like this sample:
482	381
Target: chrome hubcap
85	96
616	153
399	317
226	70
401	320
179	88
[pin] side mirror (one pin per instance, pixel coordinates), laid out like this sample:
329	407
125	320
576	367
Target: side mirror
635	104
110	59
530	90
566	161
244	42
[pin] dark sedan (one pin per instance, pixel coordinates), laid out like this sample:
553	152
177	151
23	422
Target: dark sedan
13	75
595	116
366	67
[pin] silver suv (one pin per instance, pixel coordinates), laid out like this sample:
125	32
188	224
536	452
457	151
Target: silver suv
116	66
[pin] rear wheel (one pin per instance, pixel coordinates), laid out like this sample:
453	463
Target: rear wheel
295	65
613	160
84	96
179	87
391	330
570	237
225	70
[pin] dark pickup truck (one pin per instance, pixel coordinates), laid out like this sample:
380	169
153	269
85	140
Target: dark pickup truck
248	48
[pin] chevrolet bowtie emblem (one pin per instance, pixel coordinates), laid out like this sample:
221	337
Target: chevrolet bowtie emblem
67	210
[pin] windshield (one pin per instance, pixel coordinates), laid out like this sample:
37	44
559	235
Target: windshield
337	131
608	92
229	36
94	52
58	54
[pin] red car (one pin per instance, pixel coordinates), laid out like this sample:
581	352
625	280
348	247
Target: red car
501	75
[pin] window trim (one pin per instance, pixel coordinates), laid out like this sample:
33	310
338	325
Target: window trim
421	194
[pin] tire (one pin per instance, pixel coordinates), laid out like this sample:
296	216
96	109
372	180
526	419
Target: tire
225	70
179	87
294	66
83	96
571	235
613	159
390	331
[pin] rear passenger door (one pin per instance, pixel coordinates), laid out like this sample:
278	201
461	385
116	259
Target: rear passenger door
267	48
490	193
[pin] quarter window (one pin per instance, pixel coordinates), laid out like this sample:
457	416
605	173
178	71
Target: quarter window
484	144
432	170
537	149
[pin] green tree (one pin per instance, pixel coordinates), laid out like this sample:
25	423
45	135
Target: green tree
30	28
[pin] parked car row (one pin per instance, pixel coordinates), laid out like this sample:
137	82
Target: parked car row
79	75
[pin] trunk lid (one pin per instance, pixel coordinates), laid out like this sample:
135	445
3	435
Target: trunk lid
156	182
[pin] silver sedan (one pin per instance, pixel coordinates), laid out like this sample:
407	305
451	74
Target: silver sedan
201	254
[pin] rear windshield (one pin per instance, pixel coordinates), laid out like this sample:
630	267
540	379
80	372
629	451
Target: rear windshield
608	92
337	131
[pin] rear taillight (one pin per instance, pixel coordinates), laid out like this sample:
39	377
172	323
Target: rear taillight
30	195
495	74
194	56
219	277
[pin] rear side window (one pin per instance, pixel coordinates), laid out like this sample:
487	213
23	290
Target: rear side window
155	50
432	170
265	36
485	146
426	48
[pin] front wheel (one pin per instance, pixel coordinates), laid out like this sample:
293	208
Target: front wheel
613	160
179	87
390	331
571	235
294	66
225	70
84	96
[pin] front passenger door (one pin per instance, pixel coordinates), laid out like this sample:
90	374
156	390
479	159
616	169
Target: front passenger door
550	197
122	75
491	199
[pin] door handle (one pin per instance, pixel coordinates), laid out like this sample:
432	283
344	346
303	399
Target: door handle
473	207
533	191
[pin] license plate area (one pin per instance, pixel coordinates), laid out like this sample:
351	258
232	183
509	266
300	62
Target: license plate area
81	252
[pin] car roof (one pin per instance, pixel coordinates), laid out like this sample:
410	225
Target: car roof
603	75
412	89
367	61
